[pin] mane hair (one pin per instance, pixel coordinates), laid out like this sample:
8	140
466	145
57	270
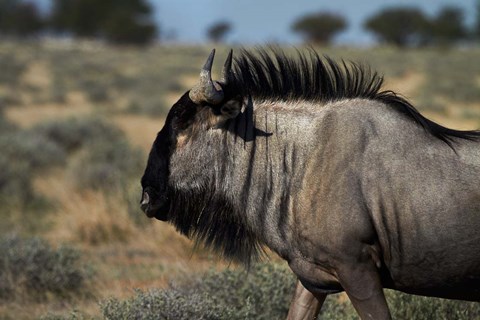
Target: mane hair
272	75
215	223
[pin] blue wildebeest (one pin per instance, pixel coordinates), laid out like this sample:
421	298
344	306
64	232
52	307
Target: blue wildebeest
349	184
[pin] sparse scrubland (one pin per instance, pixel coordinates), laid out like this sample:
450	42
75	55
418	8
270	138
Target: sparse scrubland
76	124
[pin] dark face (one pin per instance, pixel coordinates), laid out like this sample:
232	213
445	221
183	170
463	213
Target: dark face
155	201
210	102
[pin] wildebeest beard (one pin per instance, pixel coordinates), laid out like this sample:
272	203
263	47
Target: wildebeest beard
210	219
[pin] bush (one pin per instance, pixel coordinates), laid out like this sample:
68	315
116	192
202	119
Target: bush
32	268
154	107
406	306
171	304
264	293
36	151
5	125
73	315
107	165
74	133
105	160
11	67
15	182
23	155
452	76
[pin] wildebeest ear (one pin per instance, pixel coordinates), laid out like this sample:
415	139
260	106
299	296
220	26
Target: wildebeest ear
231	109
226	111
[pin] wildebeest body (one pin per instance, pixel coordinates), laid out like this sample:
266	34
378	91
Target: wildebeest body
356	193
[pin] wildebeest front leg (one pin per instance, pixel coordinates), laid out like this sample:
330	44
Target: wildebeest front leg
363	287
305	305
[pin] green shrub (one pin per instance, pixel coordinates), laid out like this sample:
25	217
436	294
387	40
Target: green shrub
35	150
262	293
153	106
106	160
107	165
97	92
23	155
73	315
15	182
5	125
32	268
453	75
74	133
171	304
11	68
406	306
265	293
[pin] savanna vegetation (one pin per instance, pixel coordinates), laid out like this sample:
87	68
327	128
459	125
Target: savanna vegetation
77	120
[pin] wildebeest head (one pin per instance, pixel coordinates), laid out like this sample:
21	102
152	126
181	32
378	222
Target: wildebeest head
207	104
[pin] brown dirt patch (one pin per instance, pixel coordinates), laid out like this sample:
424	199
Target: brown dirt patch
140	130
27	116
406	85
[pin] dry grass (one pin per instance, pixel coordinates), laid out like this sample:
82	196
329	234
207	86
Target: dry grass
94	220
140	130
124	256
408	85
27	116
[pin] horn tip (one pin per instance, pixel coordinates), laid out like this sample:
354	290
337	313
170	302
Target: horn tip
227	67
209	62
229	57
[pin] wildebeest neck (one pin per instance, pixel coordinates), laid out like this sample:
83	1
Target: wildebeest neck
247	176
268	165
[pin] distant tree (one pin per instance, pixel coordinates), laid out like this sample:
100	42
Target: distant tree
19	18
122	27
401	26
125	21
218	31
448	26
320	27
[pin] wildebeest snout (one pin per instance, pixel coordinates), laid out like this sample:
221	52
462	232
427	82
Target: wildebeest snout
145	201
154	204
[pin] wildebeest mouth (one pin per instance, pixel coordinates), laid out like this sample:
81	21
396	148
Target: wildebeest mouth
154	209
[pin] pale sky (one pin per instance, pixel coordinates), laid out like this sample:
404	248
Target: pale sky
260	21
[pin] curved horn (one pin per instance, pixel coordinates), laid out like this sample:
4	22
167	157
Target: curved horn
227	68
206	90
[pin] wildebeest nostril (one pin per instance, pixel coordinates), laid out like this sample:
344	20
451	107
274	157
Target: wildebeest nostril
145	201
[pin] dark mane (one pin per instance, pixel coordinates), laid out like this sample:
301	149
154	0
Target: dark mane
272	75
214	222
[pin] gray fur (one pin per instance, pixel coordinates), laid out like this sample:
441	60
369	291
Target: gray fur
326	182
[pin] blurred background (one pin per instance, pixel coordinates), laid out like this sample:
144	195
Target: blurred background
85	86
